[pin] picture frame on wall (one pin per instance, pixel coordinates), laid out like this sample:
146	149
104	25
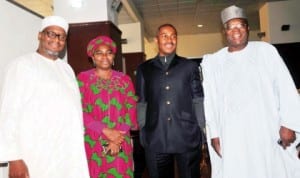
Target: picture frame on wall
35	7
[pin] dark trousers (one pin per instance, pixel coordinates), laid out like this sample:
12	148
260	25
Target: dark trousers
161	165
138	155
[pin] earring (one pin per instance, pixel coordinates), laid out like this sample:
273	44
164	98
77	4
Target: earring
94	63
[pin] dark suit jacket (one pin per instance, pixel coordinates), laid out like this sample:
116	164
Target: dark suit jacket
170	105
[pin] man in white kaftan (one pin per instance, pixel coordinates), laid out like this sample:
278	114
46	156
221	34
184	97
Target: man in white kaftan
41	125
250	103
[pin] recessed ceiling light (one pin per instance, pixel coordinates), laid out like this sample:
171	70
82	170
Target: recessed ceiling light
200	25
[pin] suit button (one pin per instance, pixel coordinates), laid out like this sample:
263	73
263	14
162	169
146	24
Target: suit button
168	102
167	87
167	73
169	119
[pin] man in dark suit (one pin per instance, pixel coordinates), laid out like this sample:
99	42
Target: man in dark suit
170	110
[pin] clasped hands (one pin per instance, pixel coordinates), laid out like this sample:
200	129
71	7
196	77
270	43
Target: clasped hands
115	139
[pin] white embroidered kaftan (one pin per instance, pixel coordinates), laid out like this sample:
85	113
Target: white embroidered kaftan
249	94
41	118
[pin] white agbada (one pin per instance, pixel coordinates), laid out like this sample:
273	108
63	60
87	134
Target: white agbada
41	118
249	94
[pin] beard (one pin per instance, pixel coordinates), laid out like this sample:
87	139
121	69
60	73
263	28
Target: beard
52	53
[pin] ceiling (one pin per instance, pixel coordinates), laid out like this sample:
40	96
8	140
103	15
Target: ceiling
185	15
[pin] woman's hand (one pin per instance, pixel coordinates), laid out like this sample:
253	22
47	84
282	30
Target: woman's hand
114	136
113	149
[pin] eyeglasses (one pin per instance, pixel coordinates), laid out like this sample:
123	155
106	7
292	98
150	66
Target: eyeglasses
233	26
53	35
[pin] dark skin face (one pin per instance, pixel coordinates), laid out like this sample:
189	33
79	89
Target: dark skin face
103	57
50	44
166	40
236	33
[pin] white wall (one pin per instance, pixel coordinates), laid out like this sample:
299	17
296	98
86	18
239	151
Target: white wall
18	33
90	11
3	172
275	14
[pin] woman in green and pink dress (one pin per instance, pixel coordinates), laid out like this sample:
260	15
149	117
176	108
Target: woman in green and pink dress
109	105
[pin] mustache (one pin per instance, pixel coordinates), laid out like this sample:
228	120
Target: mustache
169	43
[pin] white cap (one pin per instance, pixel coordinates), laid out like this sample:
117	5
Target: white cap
232	12
54	21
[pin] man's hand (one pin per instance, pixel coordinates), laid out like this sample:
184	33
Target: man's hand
114	136
215	143
287	136
18	169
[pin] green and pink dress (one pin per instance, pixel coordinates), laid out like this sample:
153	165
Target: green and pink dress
108	104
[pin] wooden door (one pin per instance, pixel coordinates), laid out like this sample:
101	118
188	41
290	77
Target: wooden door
131	62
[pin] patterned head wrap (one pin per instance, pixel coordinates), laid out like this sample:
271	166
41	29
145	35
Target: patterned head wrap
100	40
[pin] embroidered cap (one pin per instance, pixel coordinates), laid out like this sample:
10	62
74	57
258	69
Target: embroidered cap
232	12
54	21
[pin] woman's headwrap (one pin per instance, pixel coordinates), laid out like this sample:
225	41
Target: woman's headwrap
100	40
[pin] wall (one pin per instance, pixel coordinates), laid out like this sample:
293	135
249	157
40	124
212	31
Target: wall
18	33
275	14
134	35
90	11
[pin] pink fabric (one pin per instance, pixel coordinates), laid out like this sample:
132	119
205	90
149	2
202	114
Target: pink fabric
108	103
100	40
